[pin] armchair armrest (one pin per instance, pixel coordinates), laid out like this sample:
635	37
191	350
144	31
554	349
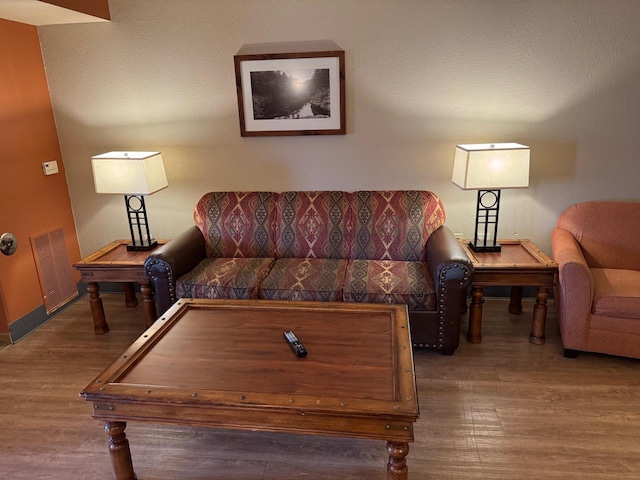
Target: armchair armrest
170	261
575	289
451	272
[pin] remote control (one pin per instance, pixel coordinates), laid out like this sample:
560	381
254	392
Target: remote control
295	344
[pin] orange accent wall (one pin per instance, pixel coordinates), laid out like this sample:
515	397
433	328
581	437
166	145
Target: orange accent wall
30	202
97	8
4	323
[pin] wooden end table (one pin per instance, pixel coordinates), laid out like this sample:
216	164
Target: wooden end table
357	380
520	263
114	263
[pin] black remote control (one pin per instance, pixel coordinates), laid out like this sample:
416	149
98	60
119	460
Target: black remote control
295	344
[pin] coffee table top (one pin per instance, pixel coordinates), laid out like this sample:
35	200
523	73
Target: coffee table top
231	354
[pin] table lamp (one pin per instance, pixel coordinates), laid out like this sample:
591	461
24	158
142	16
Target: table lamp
132	174
488	168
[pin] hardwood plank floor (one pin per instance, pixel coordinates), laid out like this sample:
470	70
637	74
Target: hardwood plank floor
504	409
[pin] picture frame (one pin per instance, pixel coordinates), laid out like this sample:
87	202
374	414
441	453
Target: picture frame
291	89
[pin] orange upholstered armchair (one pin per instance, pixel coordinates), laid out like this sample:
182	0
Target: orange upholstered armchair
597	248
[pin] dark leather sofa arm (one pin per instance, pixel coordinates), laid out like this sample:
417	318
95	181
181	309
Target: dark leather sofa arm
451	272
170	261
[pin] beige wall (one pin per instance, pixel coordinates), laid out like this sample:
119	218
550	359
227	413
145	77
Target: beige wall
560	75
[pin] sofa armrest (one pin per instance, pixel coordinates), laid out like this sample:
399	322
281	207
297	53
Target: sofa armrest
575	289
451	272
170	261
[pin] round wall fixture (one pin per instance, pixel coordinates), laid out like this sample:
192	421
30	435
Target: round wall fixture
8	243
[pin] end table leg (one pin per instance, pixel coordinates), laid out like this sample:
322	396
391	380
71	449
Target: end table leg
474	334
148	303
97	310
397	466
539	317
130	299
119	451
515	303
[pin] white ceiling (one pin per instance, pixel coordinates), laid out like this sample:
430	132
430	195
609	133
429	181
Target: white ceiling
38	13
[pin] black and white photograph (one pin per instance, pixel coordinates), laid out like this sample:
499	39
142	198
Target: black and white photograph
291	96
299	94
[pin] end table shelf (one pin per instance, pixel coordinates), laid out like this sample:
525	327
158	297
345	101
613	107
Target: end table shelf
519	264
114	263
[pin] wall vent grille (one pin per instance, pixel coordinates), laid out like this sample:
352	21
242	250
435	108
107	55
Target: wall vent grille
54	269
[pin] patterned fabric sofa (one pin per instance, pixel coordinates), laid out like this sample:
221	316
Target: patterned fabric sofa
366	246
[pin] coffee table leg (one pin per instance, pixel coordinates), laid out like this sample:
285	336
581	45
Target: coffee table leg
539	317
515	303
397	466
119	451
130	299
474	335
148	303
97	310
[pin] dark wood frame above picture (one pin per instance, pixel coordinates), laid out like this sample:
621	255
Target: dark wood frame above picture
293	88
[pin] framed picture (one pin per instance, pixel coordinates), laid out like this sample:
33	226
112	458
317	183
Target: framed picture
290	89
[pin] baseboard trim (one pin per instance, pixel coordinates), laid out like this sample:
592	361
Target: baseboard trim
38	317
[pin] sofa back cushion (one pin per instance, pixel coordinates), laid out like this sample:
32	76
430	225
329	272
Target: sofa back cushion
607	232
237	224
312	225
367	225
394	225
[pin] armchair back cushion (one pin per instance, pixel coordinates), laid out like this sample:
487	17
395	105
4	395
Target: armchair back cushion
607	232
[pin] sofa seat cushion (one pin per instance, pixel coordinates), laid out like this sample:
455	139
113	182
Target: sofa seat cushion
309	279
236	278
388	281
617	292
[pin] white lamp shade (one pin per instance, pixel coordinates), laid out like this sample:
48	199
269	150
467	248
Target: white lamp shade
491	166
129	173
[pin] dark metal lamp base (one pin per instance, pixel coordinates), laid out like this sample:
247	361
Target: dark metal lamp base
485	248
142	248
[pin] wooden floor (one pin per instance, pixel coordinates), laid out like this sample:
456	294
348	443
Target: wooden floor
5	341
504	410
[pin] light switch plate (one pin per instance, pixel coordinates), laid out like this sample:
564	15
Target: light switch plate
49	168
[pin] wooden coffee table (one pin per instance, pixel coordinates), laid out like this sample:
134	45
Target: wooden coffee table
520	263
114	263
225	364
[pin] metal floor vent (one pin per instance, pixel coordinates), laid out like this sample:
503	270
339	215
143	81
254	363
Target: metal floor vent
54	269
